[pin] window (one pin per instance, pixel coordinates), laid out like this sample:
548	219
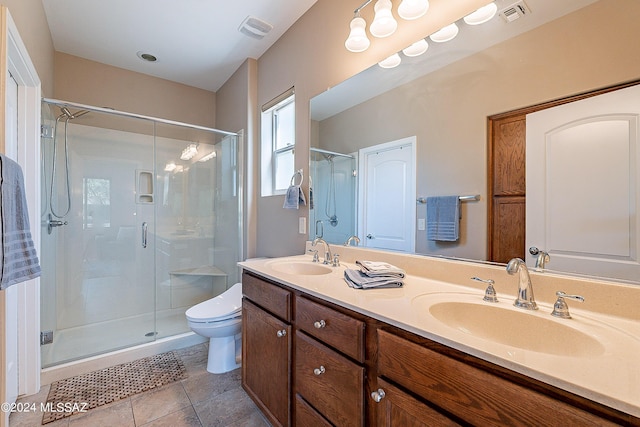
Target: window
278	143
96	202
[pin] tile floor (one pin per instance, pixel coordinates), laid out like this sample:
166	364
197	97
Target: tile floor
201	400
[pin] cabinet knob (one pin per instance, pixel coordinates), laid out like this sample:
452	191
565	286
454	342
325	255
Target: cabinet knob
319	371
282	333
378	395
319	324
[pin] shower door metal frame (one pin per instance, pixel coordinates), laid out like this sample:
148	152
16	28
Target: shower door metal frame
239	159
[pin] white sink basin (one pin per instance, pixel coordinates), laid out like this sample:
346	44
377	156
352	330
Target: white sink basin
517	328
301	268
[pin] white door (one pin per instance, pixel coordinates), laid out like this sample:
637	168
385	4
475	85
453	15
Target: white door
388	205
583	178
11	294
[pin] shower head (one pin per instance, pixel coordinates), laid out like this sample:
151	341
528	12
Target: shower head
69	115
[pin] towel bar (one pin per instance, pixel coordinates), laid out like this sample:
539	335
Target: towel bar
423	200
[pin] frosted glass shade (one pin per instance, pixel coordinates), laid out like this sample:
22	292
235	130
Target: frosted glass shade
391	62
383	24
481	15
357	40
416	49
413	9
445	34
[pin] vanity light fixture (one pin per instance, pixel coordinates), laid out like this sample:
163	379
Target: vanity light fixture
416	49
413	9
383	24
445	34
209	156
357	40
189	152
390	62
482	15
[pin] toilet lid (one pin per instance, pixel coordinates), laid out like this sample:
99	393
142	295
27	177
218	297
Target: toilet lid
227	304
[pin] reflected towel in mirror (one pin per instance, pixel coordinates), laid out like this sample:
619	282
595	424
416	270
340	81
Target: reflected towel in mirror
443	218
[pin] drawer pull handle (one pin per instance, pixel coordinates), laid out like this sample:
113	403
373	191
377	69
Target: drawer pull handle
319	371
282	333
319	324
377	396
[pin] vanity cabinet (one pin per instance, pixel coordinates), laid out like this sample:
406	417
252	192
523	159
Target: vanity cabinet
307	362
266	348
464	392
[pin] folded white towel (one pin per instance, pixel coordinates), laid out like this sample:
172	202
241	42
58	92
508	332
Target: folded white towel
378	268
18	258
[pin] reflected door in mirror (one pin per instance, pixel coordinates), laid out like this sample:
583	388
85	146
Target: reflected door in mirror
582	184
388	190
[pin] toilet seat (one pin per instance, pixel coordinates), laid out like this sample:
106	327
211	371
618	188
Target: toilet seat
227	305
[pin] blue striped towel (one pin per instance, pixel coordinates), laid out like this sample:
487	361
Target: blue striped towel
18	257
443	218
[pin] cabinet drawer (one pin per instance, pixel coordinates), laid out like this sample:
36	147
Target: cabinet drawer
306	416
340	331
269	296
473	394
331	383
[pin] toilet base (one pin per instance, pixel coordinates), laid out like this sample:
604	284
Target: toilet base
222	354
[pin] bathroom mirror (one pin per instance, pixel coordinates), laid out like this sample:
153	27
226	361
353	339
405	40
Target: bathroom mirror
444	97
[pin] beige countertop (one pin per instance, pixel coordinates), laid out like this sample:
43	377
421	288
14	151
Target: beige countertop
607	372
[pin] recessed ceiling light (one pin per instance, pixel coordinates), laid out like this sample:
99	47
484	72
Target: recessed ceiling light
146	56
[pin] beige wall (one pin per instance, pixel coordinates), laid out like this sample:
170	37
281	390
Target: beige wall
92	83
237	110
34	31
311	56
447	110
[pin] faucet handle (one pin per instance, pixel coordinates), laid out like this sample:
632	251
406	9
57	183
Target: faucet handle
490	292
315	255
336	260
560	308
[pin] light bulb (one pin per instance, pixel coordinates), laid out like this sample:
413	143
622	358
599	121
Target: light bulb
357	40
413	9
481	15
383	24
390	62
445	34
416	49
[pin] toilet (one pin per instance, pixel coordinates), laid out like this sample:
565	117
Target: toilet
220	320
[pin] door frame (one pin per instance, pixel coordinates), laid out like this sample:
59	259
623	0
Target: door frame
14	58
362	178
491	123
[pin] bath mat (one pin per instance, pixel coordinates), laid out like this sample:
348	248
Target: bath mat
83	392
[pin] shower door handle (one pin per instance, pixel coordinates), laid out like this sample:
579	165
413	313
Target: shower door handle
144	234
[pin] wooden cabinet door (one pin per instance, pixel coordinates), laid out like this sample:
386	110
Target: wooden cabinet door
508	231
399	409
507	187
266	361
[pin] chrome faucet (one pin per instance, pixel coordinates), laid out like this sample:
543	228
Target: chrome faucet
353	238
542	257
327	249
525	289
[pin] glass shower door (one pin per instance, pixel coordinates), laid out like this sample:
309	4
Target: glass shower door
98	284
197	230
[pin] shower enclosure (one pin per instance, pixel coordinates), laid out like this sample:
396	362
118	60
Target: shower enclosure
140	221
333	185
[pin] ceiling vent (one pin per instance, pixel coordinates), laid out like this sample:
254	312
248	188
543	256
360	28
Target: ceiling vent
254	27
515	11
